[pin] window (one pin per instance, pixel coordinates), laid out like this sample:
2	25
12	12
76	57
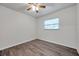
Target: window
51	24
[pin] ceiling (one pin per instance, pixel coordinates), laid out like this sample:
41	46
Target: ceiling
50	8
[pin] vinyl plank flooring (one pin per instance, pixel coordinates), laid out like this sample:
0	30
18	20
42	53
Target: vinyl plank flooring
39	48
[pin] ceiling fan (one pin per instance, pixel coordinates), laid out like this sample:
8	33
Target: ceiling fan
35	7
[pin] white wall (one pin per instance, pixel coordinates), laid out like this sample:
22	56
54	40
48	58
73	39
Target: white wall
78	27
15	28
66	35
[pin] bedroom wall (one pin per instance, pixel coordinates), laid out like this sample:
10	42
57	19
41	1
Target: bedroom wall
78	28
66	35
15	28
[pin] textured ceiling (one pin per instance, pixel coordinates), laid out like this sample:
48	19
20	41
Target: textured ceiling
50	8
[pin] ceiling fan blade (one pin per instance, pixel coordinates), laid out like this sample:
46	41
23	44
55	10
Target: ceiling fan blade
42	6
29	9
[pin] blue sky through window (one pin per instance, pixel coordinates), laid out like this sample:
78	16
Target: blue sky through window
51	24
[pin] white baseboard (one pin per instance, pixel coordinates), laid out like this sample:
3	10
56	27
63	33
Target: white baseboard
15	44
59	43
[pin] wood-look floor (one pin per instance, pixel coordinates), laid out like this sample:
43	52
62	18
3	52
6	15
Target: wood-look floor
39	48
